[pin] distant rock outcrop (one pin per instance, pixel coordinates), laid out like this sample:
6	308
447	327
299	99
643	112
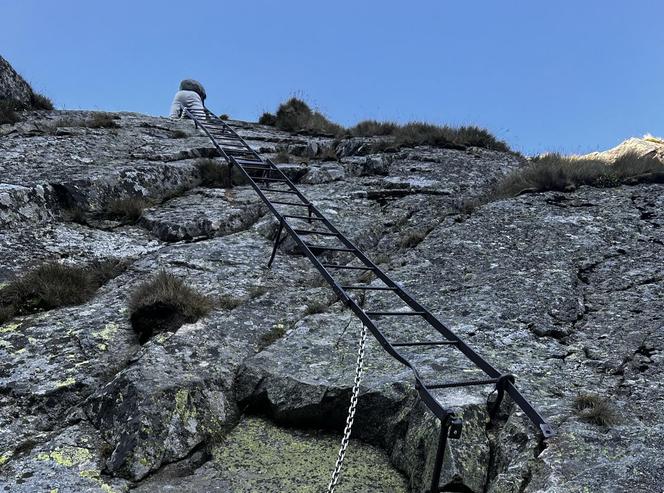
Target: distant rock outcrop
13	86
646	146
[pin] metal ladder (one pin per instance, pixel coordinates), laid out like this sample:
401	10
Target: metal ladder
262	175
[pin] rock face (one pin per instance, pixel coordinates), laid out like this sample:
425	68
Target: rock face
566	291
12	85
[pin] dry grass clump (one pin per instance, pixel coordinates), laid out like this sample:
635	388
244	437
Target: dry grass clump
554	172
167	289
228	302
40	102
164	303
128	209
213	173
596	409
268	119
276	332
370	128
53	285
419	133
101	120
315	307
296	116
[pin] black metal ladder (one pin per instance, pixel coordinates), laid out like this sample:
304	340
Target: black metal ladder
262	175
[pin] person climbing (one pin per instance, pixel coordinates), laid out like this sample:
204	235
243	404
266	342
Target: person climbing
190	96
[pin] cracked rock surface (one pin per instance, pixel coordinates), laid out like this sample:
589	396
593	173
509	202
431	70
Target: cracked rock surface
563	290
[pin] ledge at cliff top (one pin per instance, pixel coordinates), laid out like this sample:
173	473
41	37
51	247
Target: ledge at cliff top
565	290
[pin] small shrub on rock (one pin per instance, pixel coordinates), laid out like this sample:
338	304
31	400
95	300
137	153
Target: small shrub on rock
295	116
52	285
165	303
596	409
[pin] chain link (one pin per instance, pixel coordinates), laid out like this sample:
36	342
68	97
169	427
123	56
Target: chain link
351	411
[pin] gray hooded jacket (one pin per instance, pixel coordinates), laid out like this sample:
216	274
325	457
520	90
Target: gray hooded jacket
185	99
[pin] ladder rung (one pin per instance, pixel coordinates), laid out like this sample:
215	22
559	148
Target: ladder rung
314	232
248	161
276	190
312	218
333	249
384	314
349	267
371	288
467	383
258	168
268	179
281	202
425	343
244	152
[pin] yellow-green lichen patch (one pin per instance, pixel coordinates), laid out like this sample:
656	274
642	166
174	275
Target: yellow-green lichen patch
67	456
8	328
107	332
94	475
67	382
257	455
5	456
185	409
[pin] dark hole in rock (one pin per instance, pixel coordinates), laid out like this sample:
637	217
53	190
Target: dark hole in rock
155	319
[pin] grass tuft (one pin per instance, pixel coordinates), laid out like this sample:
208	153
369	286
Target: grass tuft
228	302
296	116
277	331
596	409
164	303
268	119
52	285
127	209
101	120
554	172
40	102
371	128
315	307
213	173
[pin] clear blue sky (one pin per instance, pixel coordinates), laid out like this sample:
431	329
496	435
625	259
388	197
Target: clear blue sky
565	75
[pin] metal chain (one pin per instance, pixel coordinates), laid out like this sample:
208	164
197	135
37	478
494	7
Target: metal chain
351	411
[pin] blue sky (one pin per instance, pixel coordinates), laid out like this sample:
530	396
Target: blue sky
568	76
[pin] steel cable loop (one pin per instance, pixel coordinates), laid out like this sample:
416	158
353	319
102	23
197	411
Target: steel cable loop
359	369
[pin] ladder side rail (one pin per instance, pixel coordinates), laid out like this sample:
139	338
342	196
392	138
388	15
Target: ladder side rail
431	402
